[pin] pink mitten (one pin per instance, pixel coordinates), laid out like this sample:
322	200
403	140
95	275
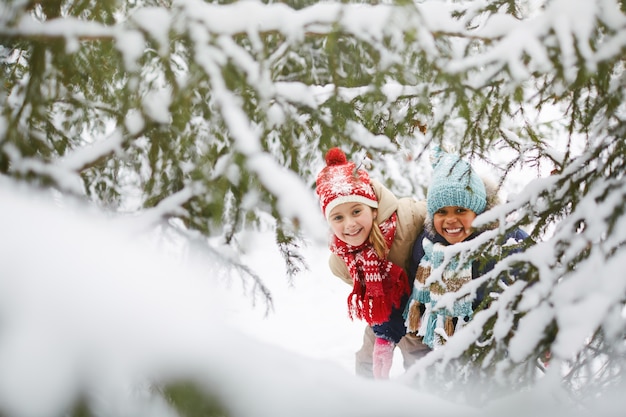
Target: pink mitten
383	356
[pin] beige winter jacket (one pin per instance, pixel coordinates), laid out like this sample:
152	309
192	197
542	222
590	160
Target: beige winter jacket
410	220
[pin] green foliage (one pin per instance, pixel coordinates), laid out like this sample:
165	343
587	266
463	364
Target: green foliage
185	398
72	92
190	401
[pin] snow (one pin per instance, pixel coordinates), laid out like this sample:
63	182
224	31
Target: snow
364	136
155	21
75	160
156	105
132	45
87	302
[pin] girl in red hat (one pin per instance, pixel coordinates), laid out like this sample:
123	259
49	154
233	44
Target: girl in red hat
373	232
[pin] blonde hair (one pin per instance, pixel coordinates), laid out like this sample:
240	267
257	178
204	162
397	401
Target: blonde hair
378	241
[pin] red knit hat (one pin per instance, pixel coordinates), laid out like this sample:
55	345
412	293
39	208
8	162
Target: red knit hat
341	182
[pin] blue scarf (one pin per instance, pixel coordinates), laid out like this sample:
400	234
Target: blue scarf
437	325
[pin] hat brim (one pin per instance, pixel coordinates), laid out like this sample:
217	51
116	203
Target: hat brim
349	199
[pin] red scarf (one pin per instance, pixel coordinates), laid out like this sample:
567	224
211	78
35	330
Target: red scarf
379	284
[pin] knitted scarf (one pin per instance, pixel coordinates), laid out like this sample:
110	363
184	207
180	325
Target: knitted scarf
379	284
436	325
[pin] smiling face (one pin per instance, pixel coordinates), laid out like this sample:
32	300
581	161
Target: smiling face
352	222
454	223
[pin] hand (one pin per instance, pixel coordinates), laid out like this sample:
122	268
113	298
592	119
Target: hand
383	357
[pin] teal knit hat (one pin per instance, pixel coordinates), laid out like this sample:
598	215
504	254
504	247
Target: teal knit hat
454	183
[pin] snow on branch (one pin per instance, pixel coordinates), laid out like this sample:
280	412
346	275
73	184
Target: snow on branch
523	46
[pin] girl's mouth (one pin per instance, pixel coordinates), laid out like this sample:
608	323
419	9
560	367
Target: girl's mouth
353	233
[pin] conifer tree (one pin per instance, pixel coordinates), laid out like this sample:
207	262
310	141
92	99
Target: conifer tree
158	108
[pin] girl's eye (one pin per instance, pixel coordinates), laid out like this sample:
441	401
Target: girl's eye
356	212
461	210
336	218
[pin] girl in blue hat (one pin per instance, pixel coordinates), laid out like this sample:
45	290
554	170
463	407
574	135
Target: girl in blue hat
456	196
